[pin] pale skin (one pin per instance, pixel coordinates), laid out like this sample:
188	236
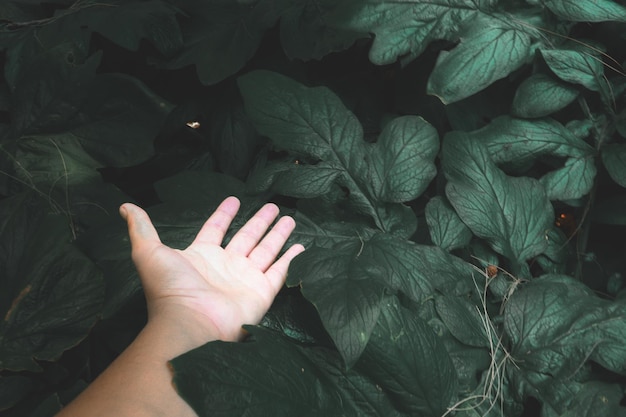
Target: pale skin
197	295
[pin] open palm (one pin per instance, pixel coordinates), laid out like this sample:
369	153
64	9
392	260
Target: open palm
213	289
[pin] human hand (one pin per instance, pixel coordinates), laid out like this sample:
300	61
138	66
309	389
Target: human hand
207	292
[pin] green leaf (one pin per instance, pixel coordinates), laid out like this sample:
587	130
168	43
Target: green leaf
400	163
596	399
313	124
221	36
582	67
463	320
512	214
446	229
614	159
482	57
51	294
306	32
511	140
556	324
404	29
410	363
541	95
346	283
272	375
572	181
587	10
128	23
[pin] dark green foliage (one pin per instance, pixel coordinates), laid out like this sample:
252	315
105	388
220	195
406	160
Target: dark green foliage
456	170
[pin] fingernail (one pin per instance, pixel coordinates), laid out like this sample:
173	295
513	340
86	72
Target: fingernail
124	212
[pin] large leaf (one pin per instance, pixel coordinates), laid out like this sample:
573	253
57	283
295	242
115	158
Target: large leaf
512	214
404	29
51	293
489	52
408	361
518	141
346	283
314	125
273	375
587	10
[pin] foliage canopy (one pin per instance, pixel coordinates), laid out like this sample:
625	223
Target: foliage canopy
456	170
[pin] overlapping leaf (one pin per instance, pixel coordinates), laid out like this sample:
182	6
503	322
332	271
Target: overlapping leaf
541	95
556	324
489	51
314	126
587	10
444	225
512	214
272	375
404	29
511	140
409	361
614	159
51	293
347	282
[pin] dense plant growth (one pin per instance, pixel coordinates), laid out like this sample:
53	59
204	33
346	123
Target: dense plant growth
456	169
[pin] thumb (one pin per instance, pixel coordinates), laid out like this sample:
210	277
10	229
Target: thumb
140	227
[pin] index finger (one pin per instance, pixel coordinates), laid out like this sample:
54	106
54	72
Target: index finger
214	229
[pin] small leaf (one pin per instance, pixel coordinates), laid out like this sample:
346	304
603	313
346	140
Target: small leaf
576	67
541	95
446	228
410	363
512	214
587	10
486	55
614	159
463	320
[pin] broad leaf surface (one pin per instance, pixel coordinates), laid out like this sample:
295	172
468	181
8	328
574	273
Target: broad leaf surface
512	214
313	123
582	67
541	95
405	29
51	293
446	229
490	51
587	10
555	325
273	375
409	361
511	140
463	320
346	283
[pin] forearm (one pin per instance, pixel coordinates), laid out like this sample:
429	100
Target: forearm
139	382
